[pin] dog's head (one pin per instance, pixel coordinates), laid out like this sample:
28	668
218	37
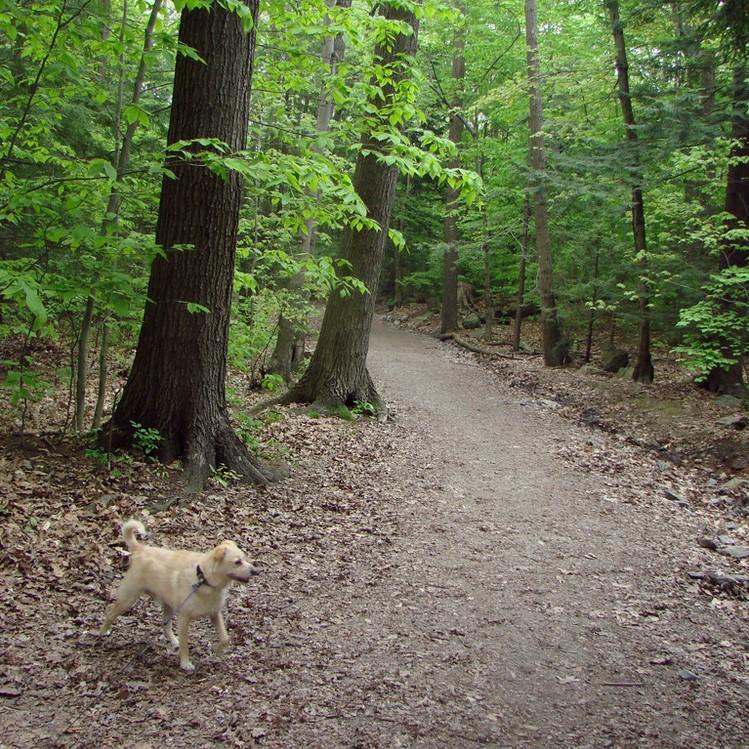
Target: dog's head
229	560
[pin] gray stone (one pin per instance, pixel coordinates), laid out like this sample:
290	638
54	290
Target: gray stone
626	373
736	421
728	401
550	404
614	359
735	483
674	497
727	540
472	322
688	675
590	369
737	552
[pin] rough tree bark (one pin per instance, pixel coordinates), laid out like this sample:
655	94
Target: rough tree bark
449	313
643	370
735	252
176	384
555	350
337	373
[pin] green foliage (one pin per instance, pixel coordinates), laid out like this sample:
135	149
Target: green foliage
146	439
717	327
100	457
75	226
341	412
365	408
223	476
23	385
271	382
249	429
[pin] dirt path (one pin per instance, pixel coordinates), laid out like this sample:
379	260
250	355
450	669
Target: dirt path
475	572
528	605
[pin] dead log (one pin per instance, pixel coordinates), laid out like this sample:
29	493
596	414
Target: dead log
477	349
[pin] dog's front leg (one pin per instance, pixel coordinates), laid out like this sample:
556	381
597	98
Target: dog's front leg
168	632
183	623
218	623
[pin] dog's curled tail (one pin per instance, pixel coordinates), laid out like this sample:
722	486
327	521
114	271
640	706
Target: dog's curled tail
130	531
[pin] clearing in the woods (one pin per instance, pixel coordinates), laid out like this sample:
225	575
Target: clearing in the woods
476	571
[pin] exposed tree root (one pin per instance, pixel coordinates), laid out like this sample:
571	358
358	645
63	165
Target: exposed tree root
201	452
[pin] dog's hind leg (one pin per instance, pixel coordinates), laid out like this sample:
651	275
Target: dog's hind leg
126	597
168	631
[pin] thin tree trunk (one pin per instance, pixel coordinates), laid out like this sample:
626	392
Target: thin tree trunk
397	278
555	349
449	314
521	275
593	302
177	381
101	393
82	365
337	373
488	306
643	370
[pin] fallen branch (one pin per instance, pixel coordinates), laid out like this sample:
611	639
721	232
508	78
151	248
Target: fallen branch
622	684
478	349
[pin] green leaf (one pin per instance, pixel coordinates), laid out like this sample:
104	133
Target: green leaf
97	167
133	113
194	308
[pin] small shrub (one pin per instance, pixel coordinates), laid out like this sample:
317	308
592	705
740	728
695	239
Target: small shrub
365	408
271	382
248	430
272	417
146	439
342	412
224	476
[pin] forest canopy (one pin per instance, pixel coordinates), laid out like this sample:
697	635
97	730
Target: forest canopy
644	132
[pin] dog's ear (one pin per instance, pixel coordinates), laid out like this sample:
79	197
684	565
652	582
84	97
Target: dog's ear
219	553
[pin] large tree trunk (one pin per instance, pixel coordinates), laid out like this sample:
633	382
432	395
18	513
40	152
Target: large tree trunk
337	373
555	350
449	313
176	384
735	252
643	371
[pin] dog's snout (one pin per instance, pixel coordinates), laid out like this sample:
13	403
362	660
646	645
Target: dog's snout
252	570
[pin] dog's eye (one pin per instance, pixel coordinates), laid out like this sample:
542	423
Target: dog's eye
239	561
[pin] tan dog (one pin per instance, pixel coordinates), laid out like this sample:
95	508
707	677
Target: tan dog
187	584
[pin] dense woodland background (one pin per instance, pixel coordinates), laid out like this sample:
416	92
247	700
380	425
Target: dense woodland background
614	205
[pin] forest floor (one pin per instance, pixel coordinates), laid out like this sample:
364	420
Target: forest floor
491	566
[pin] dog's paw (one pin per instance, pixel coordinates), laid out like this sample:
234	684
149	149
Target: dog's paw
221	645
187	666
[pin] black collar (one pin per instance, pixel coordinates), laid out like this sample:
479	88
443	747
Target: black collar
202	579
